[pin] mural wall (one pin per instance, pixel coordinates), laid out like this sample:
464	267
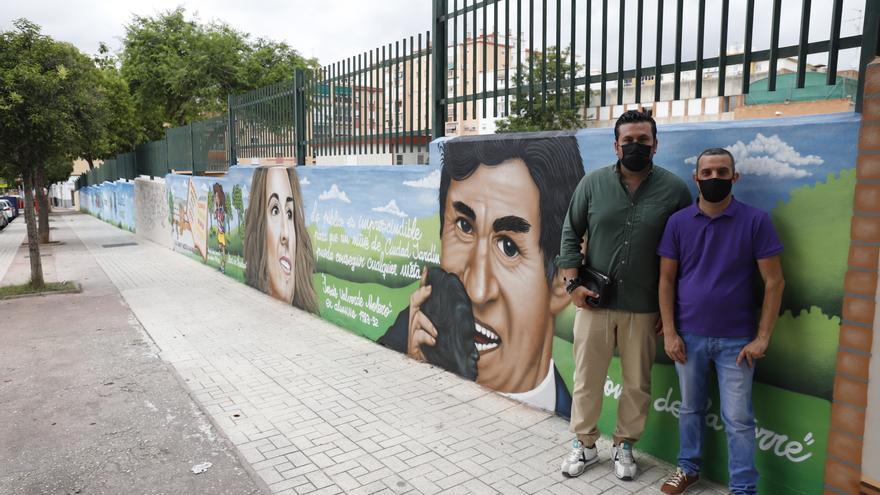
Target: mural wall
112	202
452	264
152	219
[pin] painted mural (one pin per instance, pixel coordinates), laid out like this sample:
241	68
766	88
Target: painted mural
112	202
453	264
807	185
151	211
248	224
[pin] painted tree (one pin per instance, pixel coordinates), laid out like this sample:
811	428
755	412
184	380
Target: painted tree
238	204
171	208
38	97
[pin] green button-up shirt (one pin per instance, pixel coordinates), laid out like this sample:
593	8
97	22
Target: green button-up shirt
622	231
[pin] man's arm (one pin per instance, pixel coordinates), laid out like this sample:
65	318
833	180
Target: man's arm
573	230
672	343
774	284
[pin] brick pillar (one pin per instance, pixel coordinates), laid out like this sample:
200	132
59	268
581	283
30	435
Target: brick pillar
844	464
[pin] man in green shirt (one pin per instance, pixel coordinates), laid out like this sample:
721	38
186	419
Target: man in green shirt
620	211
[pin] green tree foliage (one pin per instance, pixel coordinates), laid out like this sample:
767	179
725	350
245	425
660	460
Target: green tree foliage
802	353
105	117
40	91
529	114
180	70
814	228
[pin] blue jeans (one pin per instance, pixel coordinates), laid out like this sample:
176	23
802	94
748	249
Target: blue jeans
735	389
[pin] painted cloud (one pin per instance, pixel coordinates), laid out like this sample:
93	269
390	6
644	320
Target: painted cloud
392	209
769	156
304	181
430	181
334	193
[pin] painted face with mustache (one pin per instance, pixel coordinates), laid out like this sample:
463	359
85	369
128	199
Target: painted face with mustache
490	239
280	234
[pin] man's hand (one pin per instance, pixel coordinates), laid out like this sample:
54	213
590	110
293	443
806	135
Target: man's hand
753	351
421	330
579	296
674	346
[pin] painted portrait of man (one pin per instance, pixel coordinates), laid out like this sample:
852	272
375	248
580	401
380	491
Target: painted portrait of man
502	204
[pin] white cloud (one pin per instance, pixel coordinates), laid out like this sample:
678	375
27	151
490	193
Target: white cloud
769	156
334	193
430	181
304	181
392	209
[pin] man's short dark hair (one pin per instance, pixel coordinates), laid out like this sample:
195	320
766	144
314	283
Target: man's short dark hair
634	117
554	163
716	152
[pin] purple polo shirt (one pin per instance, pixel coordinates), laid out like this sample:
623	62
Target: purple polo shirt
717	267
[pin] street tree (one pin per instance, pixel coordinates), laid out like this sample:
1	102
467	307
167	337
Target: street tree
180	70
536	109
38	90
105	115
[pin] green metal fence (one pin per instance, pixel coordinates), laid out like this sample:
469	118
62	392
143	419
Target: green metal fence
375	102
263	124
395	98
533	42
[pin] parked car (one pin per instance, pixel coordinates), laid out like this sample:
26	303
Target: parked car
3	222
8	211
16	203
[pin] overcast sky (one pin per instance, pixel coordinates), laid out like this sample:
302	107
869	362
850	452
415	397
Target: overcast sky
334	29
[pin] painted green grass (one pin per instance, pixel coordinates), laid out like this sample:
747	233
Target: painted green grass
28	289
429	227
397	298
783	417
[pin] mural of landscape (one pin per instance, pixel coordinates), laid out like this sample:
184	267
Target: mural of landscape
112	202
384	251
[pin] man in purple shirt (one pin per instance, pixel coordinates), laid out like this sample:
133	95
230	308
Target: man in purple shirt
710	253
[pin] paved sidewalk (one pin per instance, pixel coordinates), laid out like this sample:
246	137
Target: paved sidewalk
87	404
315	409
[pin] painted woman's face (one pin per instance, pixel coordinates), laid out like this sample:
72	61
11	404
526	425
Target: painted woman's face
280	234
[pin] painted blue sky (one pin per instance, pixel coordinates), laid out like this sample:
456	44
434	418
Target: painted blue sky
774	156
386	193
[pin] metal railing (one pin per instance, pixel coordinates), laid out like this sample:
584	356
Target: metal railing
516	32
395	98
375	102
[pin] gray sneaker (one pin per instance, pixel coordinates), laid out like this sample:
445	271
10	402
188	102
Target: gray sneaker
624	464
579	459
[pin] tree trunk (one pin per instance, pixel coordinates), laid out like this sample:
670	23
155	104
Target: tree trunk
91	162
44	205
31	221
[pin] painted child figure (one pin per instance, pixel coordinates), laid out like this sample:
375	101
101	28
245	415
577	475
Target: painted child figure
220	217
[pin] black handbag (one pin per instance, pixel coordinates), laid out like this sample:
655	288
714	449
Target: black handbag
597	282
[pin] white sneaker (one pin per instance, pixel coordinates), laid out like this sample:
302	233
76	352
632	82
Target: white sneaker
579	459
624	465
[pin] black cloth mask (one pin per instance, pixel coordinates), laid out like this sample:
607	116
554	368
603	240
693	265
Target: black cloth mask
636	156
715	190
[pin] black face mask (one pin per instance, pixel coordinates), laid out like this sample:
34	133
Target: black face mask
636	156
715	190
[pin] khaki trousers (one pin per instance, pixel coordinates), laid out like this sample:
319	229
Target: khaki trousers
596	332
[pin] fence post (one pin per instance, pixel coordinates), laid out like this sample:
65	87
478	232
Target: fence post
192	152
439	52
230	130
299	115
870	47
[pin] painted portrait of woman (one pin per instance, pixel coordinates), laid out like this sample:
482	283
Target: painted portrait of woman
277	248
